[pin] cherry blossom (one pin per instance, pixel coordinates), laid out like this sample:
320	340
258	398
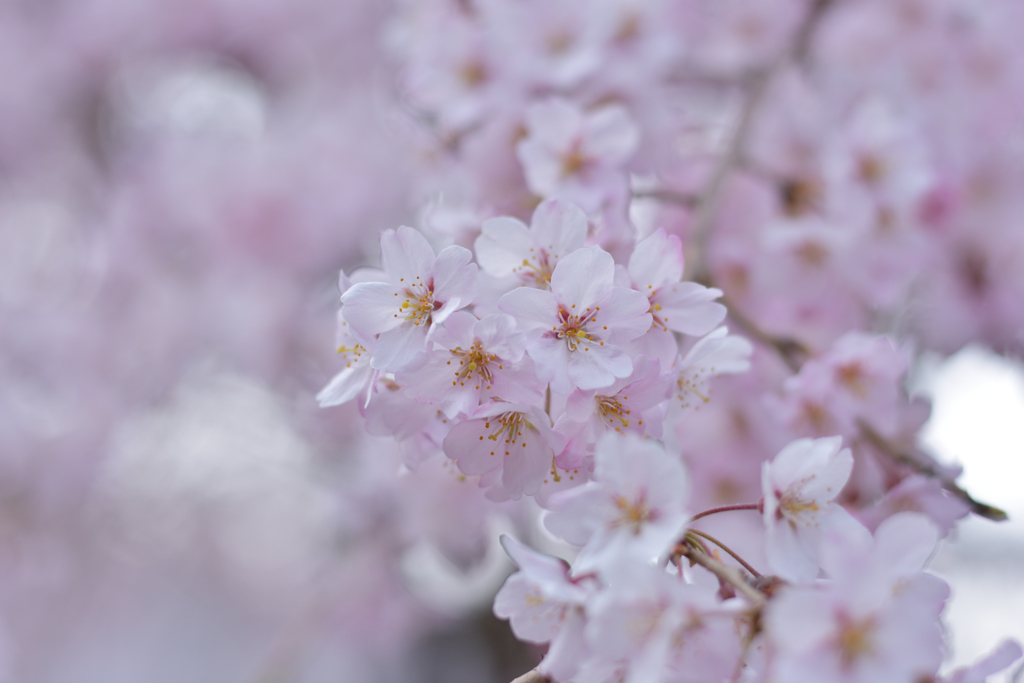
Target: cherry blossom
575	155
512	440
634	507
800	486
422	290
478	360
574	331
545	605
506	246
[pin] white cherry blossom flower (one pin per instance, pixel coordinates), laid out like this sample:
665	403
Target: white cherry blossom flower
635	507
876	620
800	486
478	360
633	403
575	330
544	605
513	440
506	246
656	268
576	155
718	353
422	290
659	628
357	375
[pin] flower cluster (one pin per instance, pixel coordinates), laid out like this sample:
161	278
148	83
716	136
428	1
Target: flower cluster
516	365
547	370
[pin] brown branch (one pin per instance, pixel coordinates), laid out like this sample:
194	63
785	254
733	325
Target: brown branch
667	196
533	676
708	201
730	551
898	456
791	351
724	572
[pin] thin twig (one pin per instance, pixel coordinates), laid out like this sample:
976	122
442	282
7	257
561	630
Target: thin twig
883	445
707	204
729	550
533	676
667	196
724	572
726	508
791	351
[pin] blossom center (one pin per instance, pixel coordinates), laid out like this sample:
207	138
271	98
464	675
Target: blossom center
854	639
612	410
473	362
633	513
539	268
791	504
357	352
419	303
572	328
509	425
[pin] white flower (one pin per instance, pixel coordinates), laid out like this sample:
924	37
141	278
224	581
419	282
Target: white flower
799	488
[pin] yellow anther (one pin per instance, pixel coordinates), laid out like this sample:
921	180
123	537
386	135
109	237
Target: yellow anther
656	307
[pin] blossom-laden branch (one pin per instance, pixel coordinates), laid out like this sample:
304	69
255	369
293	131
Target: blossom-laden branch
794	355
706	205
898	456
723	572
532	676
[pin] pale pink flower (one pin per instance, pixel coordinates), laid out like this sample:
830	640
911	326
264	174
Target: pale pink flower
574	330
659	628
478	360
876	620
544	605
634	507
634	404
512	440
576	155
655	269
357	374
828	633
1000	659
718	353
799	486
506	246
422	290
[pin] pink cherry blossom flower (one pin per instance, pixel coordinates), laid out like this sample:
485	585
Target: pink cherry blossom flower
574	331
718	353
422	290
544	605
661	628
830	633
799	486
513	440
634	403
656	268
576	155
1000	659
634	507
357	374
506	246
876	620
478	360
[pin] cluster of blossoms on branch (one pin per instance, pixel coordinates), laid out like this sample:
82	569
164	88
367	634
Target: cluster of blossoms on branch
550	371
179	183
823	208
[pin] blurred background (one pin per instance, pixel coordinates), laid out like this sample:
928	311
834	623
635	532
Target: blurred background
179	185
